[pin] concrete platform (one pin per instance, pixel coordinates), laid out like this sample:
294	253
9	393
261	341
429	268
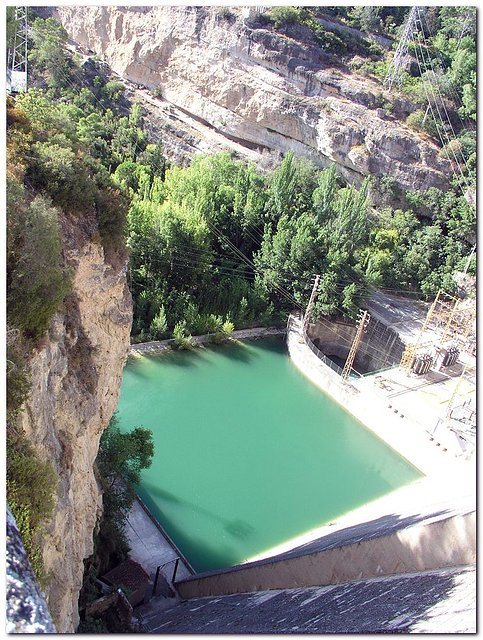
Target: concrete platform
151	548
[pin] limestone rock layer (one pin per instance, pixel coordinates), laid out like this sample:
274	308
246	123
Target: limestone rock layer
76	376
261	91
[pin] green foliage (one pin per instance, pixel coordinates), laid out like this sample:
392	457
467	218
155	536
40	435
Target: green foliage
46	54
283	16
366	18
421	121
31	488
44	114
120	462
18	382
124	455
224	332
189	229
62	174
181	336
112	90
11	26
325	239
159	325
39	281
333	40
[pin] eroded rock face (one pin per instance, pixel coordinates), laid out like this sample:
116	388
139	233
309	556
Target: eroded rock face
265	90
76	377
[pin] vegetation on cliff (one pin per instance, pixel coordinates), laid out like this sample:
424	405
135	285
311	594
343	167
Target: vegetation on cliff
50	176
443	51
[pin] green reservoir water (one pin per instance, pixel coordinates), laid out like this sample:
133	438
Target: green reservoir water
248	453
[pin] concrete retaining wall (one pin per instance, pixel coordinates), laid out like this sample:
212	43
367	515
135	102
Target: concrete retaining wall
445	543
157	346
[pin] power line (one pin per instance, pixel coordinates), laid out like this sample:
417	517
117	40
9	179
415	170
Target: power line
393	74
435	84
436	107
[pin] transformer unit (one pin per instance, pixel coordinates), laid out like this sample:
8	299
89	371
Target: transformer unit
422	364
450	356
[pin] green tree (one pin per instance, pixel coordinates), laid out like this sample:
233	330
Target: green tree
283	16
181	336
120	461
123	456
159	325
49	40
291	187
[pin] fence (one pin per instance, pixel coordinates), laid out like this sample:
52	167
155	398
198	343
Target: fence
319	354
292	322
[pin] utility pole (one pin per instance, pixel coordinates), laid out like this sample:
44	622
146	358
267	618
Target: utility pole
364	318
400	56
308	311
17	55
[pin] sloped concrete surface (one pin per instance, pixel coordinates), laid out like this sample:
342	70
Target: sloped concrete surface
442	601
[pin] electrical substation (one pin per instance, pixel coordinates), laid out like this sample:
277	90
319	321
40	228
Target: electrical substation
421	358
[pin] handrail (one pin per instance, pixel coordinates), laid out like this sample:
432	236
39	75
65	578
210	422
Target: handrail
319	353
161	566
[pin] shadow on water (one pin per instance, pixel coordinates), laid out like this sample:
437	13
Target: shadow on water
236	351
180	358
200	554
275	344
236	528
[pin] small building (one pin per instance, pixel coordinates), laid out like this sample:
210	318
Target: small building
130	576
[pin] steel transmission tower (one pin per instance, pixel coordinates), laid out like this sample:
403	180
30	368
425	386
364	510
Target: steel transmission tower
17	54
401	55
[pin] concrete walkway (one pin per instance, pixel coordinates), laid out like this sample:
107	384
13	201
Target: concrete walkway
150	547
157	346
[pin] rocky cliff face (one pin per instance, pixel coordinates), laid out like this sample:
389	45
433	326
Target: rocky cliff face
225	78
76	376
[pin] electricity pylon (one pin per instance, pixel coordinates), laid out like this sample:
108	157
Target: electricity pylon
17	54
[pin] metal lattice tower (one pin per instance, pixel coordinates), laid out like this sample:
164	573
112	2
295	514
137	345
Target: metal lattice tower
401	55
17	55
364	318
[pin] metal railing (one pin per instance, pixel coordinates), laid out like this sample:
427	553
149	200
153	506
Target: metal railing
335	367
162	566
292	321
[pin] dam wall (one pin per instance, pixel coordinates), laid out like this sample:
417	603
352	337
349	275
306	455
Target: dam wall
425	545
